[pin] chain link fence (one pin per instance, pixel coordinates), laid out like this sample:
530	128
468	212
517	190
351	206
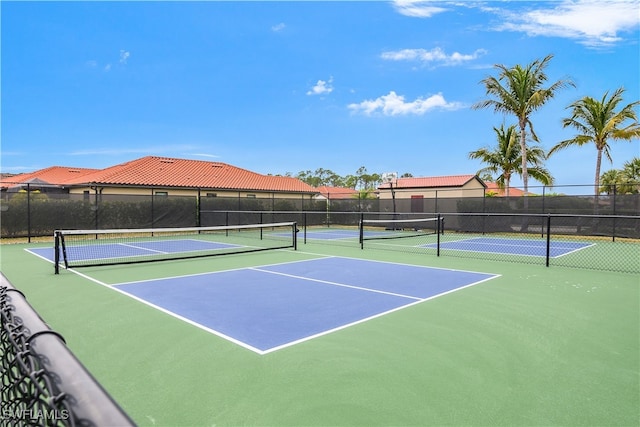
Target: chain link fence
607	224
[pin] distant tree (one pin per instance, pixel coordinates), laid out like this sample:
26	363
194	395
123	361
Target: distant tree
321	177
519	91
365	180
624	181
506	159
598	122
609	181
631	175
368	193
406	175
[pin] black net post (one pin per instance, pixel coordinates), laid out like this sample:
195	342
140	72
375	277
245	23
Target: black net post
548	239
56	251
294	230
361	230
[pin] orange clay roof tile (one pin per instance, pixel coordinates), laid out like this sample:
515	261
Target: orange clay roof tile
171	172
431	182
54	175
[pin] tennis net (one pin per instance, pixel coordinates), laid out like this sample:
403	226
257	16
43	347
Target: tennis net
84	248
378	229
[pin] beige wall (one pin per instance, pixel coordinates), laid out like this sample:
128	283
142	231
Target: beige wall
190	192
471	189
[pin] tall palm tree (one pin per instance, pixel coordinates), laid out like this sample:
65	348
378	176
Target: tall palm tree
519	91
598	122
506	159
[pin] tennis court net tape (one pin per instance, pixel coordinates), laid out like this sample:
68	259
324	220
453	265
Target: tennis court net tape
375	229
83	248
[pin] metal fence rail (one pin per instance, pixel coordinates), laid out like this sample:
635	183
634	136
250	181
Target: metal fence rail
43	384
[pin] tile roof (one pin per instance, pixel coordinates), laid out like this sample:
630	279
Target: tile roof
337	192
152	171
54	175
432	182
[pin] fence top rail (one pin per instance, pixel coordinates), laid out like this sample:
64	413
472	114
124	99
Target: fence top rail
422	214
529	215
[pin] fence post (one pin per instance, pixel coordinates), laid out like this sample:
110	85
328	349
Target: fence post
548	238
304	224
29	213
613	232
198	208
95	190
543	195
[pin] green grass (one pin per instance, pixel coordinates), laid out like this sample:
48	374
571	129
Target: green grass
535	346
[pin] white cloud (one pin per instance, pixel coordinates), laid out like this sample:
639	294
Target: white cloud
417	8
322	87
278	27
107	68
592	23
395	105
124	55
435	56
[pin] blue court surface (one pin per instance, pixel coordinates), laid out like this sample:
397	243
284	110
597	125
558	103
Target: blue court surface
509	246
271	307
137	249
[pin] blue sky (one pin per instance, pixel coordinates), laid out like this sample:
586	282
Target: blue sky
283	87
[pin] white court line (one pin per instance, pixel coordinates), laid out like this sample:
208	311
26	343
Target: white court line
289	344
170	313
366	319
139	247
327	282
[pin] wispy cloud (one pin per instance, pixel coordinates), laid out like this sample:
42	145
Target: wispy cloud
278	27
322	87
418	8
592	23
124	56
209	156
434	57
393	104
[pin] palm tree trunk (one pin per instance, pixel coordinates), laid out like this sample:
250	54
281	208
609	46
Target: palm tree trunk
596	185
525	174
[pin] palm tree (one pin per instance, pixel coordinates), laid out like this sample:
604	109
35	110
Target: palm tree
519	91
506	159
631	176
598	122
624	181
609	181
